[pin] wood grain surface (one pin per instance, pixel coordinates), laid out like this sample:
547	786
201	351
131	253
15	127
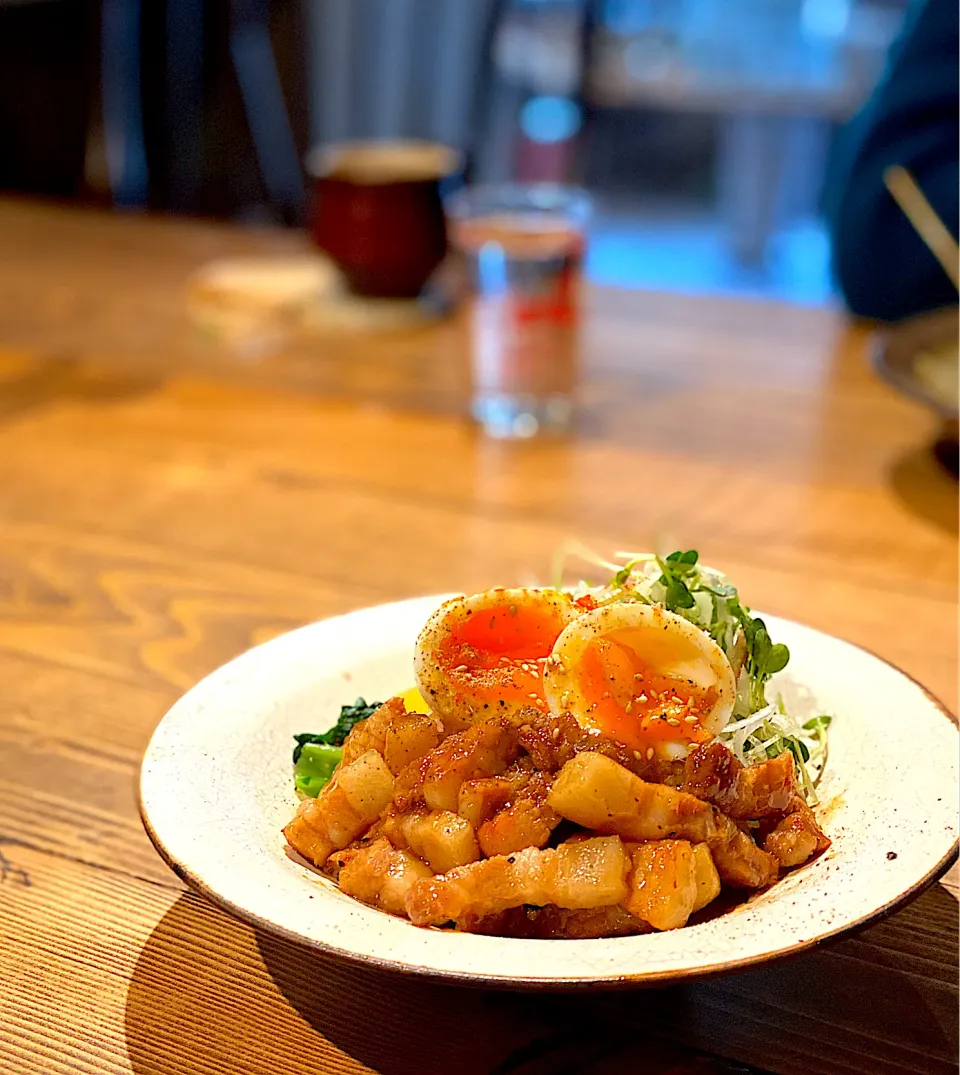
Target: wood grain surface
165	503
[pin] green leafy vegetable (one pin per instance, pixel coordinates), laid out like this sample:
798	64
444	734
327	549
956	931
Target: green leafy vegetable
349	716
798	748
718	589
678	595
689	557
818	724
764	657
314	767
673	569
317	754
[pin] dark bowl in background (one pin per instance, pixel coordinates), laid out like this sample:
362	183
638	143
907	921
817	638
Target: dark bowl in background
896	358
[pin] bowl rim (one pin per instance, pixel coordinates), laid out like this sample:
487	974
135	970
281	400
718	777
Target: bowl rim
895	350
559	983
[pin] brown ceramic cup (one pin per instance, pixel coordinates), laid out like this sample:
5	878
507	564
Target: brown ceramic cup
378	212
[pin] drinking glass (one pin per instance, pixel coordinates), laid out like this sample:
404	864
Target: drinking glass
523	246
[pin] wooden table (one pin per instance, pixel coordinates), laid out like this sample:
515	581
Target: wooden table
164	507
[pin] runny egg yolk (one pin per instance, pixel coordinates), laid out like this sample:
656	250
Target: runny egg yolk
413	701
498	652
630	702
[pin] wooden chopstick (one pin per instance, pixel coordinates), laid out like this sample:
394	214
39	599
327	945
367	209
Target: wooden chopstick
925	219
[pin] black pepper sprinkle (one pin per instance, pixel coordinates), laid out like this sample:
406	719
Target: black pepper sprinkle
891	855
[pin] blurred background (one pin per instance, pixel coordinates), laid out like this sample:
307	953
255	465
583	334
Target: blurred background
701	127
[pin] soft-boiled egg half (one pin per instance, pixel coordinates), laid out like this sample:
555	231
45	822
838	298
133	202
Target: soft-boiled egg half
482	656
641	675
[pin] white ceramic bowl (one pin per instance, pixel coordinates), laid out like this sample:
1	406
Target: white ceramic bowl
216	788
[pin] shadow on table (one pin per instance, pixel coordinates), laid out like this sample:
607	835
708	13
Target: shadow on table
403	1026
925	488
57	380
210	994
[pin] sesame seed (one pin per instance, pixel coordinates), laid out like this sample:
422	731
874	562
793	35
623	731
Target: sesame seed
690	720
533	695
555	734
673	722
641	697
628	708
638	755
649	753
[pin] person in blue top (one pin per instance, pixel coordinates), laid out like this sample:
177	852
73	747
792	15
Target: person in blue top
883	268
